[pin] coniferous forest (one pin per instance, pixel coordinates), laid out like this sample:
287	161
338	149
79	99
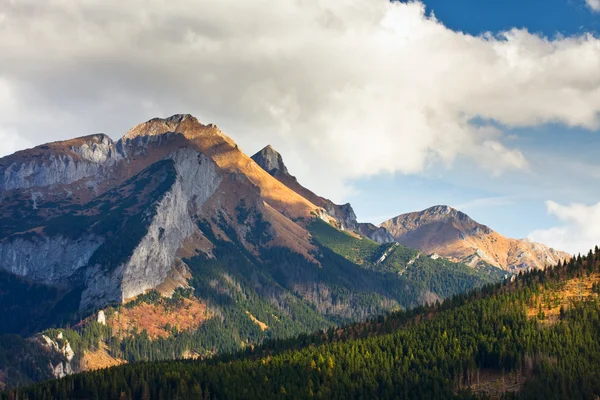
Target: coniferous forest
443	351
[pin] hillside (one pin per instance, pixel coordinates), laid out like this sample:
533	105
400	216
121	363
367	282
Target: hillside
453	234
480	345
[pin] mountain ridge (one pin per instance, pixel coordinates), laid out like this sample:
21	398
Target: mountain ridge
271	161
453	234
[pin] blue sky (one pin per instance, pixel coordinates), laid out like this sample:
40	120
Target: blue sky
371	102
565	163
549	17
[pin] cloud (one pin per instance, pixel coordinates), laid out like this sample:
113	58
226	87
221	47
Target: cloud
580	229
593	4
485	202
10	142
343	89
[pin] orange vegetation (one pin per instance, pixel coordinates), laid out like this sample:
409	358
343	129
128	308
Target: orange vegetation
261	325
153	318
99	359
567	292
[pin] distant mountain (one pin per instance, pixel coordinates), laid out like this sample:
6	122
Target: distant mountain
453	234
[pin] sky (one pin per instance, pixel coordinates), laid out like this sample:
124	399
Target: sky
491	107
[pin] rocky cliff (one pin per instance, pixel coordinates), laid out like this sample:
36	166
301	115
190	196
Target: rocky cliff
454	235
375	233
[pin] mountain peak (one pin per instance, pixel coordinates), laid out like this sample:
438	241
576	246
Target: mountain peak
271	161
186	124
453	234
444	212
440	209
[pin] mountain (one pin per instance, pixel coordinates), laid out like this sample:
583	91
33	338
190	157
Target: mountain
172	243
115	218
452	234
532	337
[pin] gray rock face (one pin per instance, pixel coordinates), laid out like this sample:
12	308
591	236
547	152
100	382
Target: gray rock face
56	259
100	150
62	350
375	233
344	214
271	161
50	260
154	256
90	160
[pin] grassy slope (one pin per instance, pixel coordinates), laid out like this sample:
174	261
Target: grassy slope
416	268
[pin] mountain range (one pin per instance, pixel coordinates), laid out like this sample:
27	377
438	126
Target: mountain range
93	232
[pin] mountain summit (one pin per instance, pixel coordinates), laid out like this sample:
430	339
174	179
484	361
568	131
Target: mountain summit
453	234
271	161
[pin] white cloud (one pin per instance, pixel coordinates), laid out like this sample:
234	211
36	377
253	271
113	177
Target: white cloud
594	4
580	229
344	88
10	142
485	203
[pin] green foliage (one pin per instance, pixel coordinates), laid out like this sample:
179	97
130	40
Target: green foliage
357	250
422	274
433	352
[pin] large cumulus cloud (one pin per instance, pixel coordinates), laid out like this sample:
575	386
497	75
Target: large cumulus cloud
344	88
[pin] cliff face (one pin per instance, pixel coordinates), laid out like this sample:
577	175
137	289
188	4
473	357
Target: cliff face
60	163
46	259
172	222
375	233
454	235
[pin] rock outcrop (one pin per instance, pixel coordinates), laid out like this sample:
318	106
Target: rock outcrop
450	233
375	233
62	348
48	259
60	163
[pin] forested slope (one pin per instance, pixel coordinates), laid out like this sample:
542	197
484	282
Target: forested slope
485	343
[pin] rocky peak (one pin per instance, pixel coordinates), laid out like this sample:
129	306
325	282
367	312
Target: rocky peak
443	212
453	234
62	162
438	214
182	123
271	161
